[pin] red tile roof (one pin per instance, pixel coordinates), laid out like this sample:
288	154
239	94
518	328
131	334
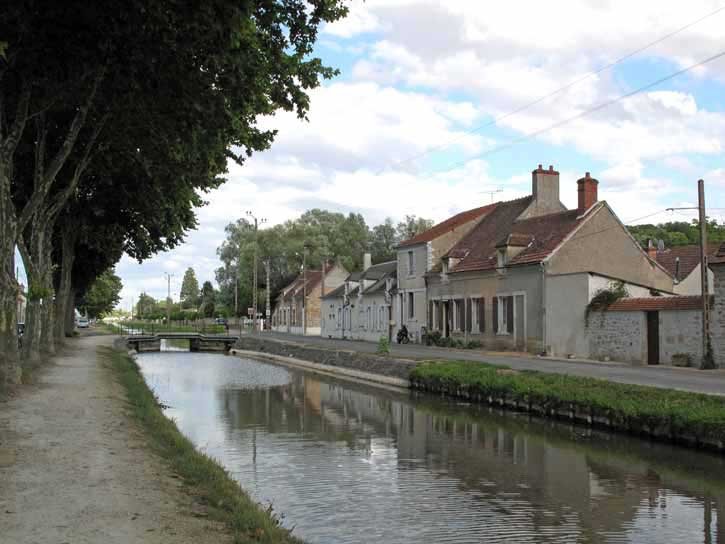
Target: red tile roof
540	235
689	259
448	225
313	277
653	304
719	257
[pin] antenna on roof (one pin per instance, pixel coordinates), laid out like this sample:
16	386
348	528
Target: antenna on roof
491	193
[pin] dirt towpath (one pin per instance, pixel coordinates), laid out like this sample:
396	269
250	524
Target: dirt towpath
74	468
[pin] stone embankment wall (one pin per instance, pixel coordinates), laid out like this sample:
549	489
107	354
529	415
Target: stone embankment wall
364	362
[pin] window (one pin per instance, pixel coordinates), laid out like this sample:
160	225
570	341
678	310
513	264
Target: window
411	263
435	317
368	324
459	315
501	260
411	305
504	315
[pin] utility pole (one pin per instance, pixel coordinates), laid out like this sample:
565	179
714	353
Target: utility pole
304	290
236	294
254	271
168	298
707	360
268	306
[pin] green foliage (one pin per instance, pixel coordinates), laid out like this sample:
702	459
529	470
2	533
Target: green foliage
631	406
38	292
677	233
383	346
103	295
604	298
326	234
226	502
207	296
189	290
435	338
412	226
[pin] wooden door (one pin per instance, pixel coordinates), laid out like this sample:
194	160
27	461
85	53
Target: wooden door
653	338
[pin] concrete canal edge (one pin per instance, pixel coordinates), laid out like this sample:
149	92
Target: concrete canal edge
381	370
206	478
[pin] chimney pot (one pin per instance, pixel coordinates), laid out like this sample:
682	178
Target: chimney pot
540	167
587	189
551	168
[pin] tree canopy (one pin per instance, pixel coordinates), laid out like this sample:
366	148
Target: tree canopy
677	233
189	290
103	295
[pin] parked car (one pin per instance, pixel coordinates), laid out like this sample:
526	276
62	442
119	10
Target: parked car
82	323
221	321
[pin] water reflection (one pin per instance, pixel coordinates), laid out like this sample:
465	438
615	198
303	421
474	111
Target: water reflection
349	463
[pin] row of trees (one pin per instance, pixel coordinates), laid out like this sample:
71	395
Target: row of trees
678	233
320	234
115	118
194	302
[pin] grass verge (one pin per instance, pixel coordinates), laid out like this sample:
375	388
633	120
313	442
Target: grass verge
661	413
226	501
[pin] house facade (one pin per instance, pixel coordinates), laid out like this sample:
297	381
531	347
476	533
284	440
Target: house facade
522	277
297	308
416	258
362	307
717	323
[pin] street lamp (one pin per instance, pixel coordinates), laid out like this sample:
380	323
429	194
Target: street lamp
257	221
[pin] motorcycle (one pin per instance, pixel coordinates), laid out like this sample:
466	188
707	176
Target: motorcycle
403	336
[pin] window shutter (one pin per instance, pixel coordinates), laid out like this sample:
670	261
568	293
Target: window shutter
482	315
494	314
430	315
510	315
441	325
468	315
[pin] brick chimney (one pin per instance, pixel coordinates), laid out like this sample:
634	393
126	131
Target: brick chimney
651	250
587	188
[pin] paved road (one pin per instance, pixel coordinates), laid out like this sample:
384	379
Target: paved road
686	379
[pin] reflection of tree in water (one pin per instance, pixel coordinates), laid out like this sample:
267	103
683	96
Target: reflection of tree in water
601	485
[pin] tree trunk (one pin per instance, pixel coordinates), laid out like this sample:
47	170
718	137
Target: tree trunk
31	336
70	314
9	356
64	285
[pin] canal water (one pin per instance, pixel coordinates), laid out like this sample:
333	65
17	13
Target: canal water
348	463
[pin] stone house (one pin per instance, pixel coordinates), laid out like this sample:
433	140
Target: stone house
361	308
522	277
297	307
416	258
683	264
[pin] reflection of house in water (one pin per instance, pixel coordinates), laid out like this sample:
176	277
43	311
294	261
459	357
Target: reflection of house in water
595	487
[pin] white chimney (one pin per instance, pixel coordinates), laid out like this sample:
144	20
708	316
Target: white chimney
367	261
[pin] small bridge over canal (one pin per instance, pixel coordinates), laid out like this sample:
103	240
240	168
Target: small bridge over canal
197	341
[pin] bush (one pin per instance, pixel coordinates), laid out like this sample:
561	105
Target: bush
383	346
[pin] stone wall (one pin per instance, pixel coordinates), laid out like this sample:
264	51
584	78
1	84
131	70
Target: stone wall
680	337
365	362
717	323
618	336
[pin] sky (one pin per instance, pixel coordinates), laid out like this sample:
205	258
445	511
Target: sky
438	103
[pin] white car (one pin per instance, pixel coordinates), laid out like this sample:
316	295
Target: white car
82	322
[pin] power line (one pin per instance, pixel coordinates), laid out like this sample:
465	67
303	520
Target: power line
528	105
581	114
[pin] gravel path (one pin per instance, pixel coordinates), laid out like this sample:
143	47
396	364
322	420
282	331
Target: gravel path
74	468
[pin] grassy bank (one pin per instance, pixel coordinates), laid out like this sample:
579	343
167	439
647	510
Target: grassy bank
226	501
661	413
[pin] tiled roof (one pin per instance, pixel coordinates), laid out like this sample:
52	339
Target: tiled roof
689	259
538	235
719	257
313	277
448	225
653	304
380	270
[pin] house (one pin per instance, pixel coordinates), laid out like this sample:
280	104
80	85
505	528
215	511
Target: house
362	307
522	276
683	264
717	312
418	256
297	307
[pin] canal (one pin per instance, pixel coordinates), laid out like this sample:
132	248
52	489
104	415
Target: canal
344	462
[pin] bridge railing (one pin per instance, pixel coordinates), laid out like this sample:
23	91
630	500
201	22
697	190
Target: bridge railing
136	328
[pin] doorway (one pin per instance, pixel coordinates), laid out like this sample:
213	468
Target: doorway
653	338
